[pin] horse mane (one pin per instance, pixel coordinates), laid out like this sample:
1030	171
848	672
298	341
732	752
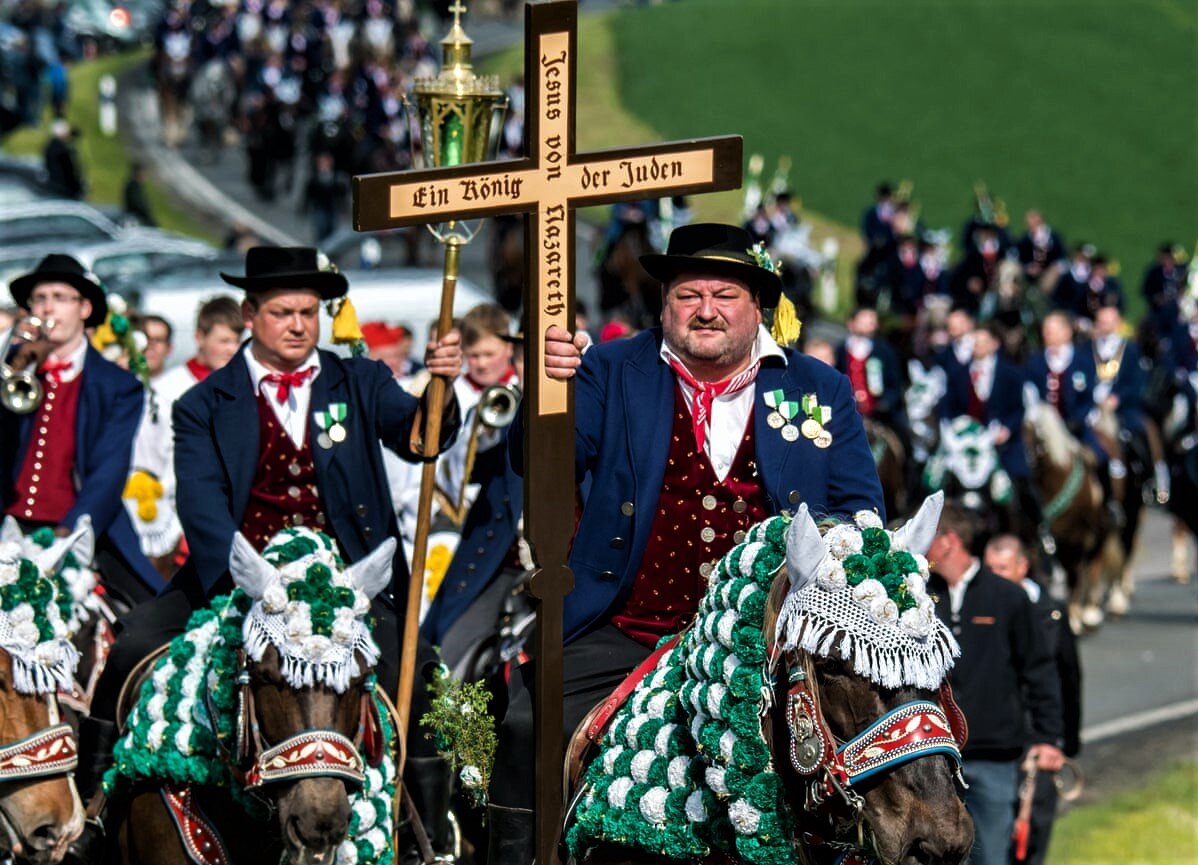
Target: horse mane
1052	432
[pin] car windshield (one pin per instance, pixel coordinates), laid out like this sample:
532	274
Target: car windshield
55	226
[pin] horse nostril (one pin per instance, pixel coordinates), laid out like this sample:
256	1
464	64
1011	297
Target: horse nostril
45	837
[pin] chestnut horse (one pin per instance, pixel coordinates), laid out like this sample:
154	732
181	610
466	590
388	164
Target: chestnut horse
40	810
296	753
816	712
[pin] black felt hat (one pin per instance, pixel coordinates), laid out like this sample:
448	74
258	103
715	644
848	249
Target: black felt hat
719	250
268	268
57	267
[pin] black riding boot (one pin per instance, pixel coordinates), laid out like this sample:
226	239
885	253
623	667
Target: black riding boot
513	836
429	785
96	741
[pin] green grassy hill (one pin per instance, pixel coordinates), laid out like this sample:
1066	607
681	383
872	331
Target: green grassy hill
1084	109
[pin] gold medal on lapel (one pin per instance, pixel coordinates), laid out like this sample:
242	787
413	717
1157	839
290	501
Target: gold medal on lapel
823	440
337	433
775	420
811	428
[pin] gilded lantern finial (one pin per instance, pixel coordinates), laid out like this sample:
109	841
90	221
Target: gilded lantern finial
457	105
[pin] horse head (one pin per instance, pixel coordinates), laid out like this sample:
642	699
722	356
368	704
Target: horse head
40	811
306	708
864	662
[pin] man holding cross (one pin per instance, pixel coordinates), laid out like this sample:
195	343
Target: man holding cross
690	434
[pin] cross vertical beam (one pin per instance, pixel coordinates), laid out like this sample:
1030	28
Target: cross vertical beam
547	185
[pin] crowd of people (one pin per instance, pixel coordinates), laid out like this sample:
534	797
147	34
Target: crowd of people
201	445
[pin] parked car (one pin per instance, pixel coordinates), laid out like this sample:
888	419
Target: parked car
63	222
411	296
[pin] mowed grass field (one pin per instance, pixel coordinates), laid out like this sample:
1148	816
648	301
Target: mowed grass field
1084	109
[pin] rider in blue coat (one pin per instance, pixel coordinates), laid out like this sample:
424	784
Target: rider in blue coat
1065	377
69	470
689	433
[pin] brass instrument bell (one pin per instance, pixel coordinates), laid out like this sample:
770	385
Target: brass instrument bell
20	390
497	406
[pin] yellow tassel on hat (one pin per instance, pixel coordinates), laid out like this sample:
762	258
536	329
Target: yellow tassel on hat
786	327
345	323
103	336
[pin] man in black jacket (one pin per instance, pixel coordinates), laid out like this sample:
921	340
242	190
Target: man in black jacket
1006	556
1005	682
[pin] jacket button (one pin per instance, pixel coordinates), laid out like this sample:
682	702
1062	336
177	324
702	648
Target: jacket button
470	568
627	509
616	543
793	498
367	531
607	575
360	510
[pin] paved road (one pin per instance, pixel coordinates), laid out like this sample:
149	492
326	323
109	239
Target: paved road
1149	659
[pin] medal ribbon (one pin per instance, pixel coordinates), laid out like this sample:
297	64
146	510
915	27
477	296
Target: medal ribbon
335	415
707	391
821	414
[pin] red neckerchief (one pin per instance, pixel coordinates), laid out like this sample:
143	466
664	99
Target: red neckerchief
287	380
707	391
198	369
53	368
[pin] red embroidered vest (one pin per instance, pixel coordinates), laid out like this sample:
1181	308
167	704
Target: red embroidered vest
698	520
859	379
45	488
283	493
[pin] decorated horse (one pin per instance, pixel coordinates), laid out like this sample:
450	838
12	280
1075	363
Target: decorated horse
804	716
966	466
1087	542
92	611
259	734
40	811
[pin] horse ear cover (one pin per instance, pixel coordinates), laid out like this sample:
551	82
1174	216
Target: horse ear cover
81	542
250	571
372	574
10	531
919	532
804	549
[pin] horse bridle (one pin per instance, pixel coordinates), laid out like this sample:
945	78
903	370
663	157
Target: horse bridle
830	773
48	752
309	753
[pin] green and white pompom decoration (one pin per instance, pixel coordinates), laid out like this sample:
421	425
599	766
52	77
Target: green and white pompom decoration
75	573
860	591
310	607
36	611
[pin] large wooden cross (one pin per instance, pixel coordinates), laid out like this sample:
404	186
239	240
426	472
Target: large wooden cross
547	184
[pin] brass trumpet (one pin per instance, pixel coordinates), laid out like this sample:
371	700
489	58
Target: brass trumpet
20	391
496	409
497	406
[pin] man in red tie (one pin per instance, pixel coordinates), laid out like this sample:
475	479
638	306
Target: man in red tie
69	457
688	435
284	435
